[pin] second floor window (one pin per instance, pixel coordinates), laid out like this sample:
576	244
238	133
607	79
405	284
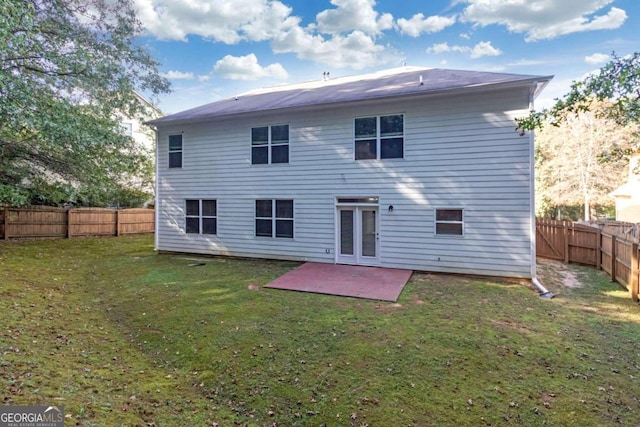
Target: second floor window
380	137
175	151
270	144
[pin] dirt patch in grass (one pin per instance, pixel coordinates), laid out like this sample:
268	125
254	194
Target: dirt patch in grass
122	336
557	274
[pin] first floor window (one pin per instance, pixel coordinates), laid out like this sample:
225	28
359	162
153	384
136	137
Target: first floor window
379	137
274	218
449	222
201	216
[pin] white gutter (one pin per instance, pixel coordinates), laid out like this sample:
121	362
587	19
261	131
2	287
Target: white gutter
544	292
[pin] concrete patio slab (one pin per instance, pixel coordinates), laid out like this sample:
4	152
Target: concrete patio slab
377	283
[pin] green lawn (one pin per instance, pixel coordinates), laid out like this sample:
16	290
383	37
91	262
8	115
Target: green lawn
120	335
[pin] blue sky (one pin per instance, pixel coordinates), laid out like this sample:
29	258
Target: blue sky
214	49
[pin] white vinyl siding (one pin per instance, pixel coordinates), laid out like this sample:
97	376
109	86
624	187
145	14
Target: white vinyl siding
459	150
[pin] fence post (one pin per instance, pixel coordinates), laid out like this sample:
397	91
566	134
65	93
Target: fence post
633	280
599	250
118	222
566	242
68	223
613	258
6	223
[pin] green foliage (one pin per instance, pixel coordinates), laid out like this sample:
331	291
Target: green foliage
67	70
618	82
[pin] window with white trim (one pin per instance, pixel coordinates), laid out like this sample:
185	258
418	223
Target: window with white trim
270	144
175	151
201	216
449	222
274	218
379	137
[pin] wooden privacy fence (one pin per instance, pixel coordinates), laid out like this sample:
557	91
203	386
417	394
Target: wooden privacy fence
616	255
48	222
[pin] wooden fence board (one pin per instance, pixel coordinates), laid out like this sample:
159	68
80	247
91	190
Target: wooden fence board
550	239
48	222
617	255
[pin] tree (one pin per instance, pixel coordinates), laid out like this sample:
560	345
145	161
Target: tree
67	67
618	82
573	161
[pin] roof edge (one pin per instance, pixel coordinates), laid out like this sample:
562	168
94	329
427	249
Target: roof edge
540	81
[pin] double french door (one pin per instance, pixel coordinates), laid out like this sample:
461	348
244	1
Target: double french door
358	235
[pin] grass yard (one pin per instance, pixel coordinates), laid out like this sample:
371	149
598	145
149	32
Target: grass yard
122	336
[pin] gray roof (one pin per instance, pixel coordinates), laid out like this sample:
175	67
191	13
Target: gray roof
357	88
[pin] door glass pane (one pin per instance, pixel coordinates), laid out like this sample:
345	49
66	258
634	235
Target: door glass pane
369	233
346	232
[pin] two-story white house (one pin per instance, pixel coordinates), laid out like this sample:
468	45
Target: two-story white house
411	168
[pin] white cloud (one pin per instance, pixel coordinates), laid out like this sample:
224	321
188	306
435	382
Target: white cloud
247	68
352	15
543	19
342	37
465	36
442	48
525	63
484	49
597	58
418	24
227	21
355	50
178	75
479	50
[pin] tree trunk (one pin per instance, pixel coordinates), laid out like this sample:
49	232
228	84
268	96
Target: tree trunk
587	209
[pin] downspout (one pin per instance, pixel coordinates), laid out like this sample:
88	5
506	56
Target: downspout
544	292
157	190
